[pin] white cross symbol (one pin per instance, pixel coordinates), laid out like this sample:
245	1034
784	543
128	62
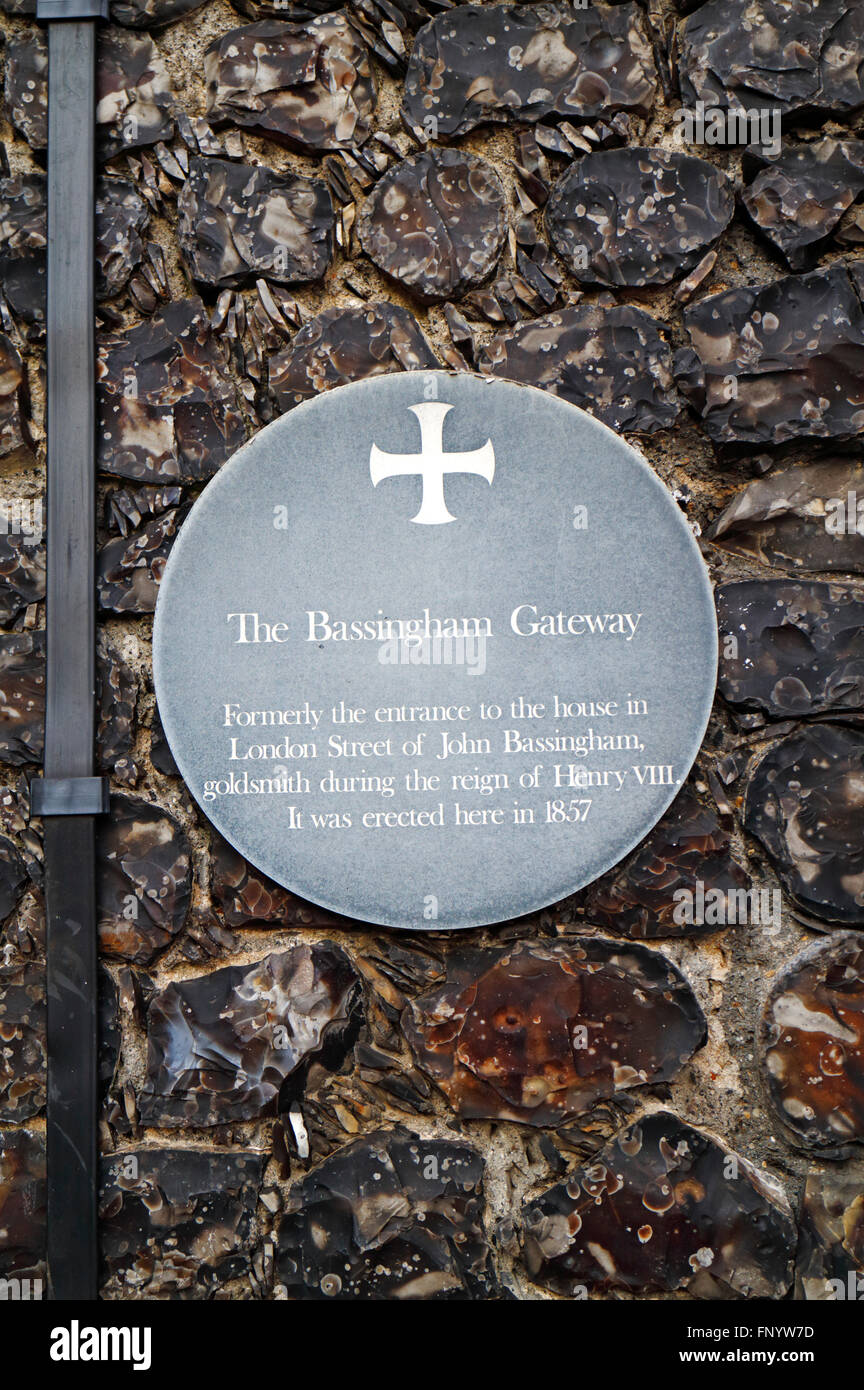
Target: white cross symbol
432	463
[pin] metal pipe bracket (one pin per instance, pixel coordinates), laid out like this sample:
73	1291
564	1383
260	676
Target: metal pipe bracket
69	796
54	10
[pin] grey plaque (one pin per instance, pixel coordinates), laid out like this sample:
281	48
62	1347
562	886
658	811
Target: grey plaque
435	651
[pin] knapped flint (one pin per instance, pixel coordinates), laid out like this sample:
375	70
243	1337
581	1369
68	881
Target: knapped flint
436	223
143	880
220	1045
22	936
22	1202
129	569
160	752
310	85
168	408
792	55
830	1260
541	1032
116	700
13	880
22	697
773	363
23	241
389	1216
663	1207
637	216
687	847
812	1045
342	345
175	1223
805	804
481	63
799	648
244	896
22	1045
14	401
135	98
122	216
26	85
22	700
127	508
797	198
241	221
612	362
781	519
151	14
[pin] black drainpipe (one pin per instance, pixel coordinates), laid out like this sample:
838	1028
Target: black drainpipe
69	796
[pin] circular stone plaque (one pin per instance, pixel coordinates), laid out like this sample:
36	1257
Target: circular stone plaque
435	651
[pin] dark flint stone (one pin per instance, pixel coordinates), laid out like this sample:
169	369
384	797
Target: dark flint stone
160	753
663	1207
687	847
151	14
780	520
22	937
341	345
175	1223
168	409
239	221
22	1203
797	198
390	1216
127	509
129	569
122	218
22	697
23	239
611	362
221	1045
800	647
831	1238
22	1044
781	361
143	882
14	401
637	216
812	1041
243	895
794	55
13	880
22	700
309	85
26	85
293	10
135	98
482	63
539	1033
805	803
116	699
436	223
22	572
